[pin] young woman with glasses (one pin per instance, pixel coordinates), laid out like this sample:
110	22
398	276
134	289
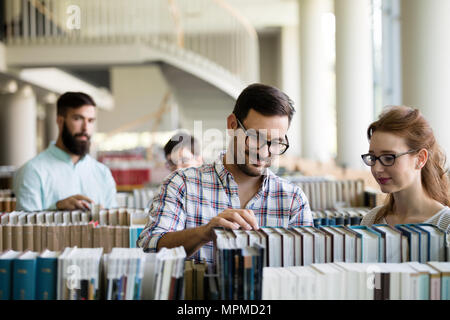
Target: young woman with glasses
409	165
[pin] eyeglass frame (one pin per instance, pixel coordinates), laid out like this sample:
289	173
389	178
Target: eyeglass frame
395	156
268	142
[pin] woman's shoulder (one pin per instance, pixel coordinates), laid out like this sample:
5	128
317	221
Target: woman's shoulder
369	218
441	219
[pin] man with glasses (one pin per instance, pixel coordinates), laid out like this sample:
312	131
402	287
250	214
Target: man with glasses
238	190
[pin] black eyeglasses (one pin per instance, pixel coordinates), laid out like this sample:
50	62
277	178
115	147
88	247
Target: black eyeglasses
255	142
386	160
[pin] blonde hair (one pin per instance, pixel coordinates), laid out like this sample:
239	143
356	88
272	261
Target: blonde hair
410	124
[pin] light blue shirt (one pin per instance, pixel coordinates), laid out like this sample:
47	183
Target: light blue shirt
51	176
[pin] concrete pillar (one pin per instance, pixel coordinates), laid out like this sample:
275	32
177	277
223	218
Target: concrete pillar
290	82
51	127
17	126
313	102
2	57
426	63
354	80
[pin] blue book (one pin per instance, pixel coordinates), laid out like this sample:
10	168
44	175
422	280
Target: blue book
6	265
24	276
135	231
413	237
46	275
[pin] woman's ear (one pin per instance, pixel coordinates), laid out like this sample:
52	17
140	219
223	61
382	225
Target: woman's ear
422	158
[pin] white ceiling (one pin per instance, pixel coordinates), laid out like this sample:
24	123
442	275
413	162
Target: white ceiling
268	13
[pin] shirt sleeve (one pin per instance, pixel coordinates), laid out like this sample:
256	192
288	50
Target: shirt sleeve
166	212
300	210
28	189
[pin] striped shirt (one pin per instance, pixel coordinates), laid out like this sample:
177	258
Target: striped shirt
440	219
191	197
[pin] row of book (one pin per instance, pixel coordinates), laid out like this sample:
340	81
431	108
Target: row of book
344	216
325	193
302	246
90	274
358	281
111	217
56	237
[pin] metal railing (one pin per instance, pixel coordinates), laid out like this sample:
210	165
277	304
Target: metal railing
203	31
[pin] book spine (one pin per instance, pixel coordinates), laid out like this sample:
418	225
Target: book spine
24	279
46	278
5	279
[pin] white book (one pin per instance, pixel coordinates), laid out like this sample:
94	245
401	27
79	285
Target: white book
304	283
274	250
320	285
241	237
270	284
287	244
319	245
307	249
370	245
437	242
338	244
287	284
350	245
149	277
351	279
392	244
333	280
423	244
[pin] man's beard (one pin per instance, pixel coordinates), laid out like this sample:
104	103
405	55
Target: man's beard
248	168
75	146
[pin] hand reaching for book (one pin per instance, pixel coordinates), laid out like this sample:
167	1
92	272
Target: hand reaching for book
75	202
234	219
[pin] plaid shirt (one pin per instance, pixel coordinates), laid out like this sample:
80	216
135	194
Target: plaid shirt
190	197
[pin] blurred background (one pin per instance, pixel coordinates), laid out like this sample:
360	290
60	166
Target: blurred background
156	66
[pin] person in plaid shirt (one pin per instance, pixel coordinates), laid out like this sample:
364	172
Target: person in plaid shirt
238	190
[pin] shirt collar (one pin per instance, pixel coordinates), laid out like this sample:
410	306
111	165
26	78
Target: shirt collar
62	155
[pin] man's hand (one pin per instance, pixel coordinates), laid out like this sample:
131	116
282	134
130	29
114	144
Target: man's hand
232	219
75	202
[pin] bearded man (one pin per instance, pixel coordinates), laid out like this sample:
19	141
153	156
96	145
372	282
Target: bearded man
238	190
65	176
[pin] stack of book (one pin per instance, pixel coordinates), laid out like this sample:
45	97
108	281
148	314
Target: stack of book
326	193
344	216
239	265
37	231
358	281
302	246
90	274
124	272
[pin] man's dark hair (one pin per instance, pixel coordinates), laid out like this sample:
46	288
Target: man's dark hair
183	140
264	99
73	100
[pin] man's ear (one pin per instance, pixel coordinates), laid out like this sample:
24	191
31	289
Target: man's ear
231	122
60	122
